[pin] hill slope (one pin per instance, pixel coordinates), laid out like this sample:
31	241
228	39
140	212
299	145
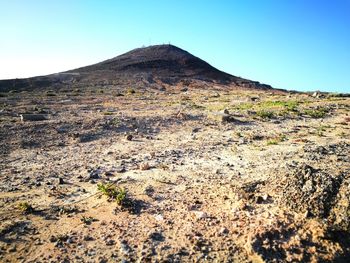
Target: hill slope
160	64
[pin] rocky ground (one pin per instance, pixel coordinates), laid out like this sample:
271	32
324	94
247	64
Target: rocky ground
174	175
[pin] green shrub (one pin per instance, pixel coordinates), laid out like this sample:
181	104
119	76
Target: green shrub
87	220
316	113
277	140
130	91
113	192
265	114
25	207
272	142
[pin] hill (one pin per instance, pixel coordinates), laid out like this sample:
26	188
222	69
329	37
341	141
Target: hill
154	65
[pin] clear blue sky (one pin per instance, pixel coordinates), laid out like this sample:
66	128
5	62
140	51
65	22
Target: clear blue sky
291	44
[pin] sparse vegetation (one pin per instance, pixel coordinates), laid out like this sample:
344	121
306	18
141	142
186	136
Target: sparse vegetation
87	220
321	129
342	135
269	107
277	104
239	134
163	166
130	91
276	140
265	114
193	105
272	142
25	207
59	238
156	164
113	192
316	113
245	106
121	196
114	122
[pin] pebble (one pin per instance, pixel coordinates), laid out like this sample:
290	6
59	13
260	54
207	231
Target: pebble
259	199
195	130
110	242
88	238
149	190
124	248
200	214
223	231
60	180
159	217
265	197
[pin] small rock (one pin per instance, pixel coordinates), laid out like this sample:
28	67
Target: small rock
12	249
184	89
37	242
218	171
254	98
124	248
60	180
145	166
156	236
265	197
88	238
308	186
259	199
120	169
58	243
95	174
223	231
129	137
307	214
195	130
109	173
226	118
33	117
225	111
110	242
200	214
159	217
149	190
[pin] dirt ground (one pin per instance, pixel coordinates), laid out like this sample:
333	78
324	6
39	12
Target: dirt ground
174	175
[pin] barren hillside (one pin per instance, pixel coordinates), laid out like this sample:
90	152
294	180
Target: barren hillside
162	171
154	66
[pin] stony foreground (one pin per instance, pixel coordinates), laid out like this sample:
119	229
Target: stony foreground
174	175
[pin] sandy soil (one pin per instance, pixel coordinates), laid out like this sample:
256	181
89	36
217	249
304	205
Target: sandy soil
266	180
